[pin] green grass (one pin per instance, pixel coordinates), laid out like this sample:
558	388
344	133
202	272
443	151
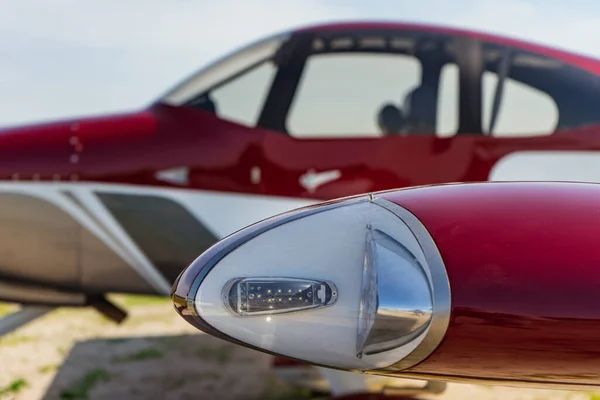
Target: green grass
82	388
13	388
146	354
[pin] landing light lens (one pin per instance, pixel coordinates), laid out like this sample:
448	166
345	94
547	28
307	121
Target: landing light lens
260	296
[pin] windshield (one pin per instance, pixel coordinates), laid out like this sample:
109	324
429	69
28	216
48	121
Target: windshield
223	69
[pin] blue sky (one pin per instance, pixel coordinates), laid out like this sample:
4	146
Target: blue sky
62	58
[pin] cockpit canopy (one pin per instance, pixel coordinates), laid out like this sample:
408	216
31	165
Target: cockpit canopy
377	81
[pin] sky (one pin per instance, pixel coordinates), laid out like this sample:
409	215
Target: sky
68	58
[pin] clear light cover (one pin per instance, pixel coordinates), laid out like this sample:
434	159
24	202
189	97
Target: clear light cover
274	295
348	286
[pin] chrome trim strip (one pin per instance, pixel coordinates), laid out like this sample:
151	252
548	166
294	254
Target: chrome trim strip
438	279
404	308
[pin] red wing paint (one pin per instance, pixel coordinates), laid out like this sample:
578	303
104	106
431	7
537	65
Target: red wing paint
521	261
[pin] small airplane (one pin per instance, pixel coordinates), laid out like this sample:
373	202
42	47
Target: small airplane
498	285
123	203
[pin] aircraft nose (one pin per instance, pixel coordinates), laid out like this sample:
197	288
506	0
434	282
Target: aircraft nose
343	284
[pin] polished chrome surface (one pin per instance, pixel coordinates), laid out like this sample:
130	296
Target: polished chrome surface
367	308
437	281
402	295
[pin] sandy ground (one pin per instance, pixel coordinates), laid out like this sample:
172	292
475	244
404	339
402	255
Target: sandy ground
78	354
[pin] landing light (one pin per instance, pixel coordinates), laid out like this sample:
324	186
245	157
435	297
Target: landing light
259	296
354	284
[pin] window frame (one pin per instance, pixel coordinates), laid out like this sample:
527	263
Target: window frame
197	85
508	54
285	87
295	47
209	94
570	116
497	114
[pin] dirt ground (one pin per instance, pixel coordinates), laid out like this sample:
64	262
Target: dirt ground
154	354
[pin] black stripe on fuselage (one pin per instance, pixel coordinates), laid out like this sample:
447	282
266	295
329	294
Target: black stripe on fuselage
164	230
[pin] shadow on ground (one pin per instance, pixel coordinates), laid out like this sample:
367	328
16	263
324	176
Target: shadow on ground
194	366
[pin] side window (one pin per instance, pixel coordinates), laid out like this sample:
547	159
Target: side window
523	111
346	94
241	99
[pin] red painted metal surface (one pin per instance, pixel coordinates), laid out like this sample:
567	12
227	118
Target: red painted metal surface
54	151
395	162
220	155
523	264
132	148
